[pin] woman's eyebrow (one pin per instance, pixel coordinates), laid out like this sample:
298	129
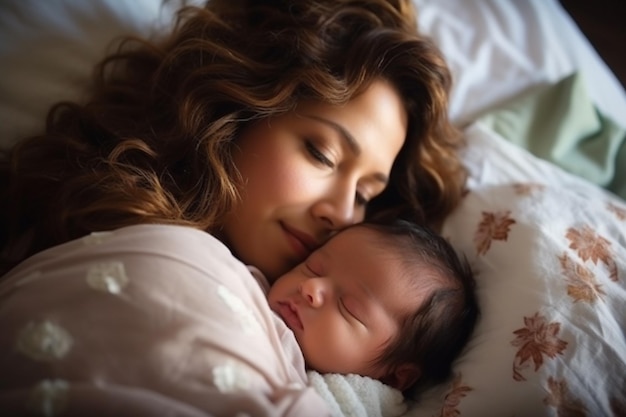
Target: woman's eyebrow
348	138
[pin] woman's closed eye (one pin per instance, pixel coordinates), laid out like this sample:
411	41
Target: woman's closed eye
360	200
317	154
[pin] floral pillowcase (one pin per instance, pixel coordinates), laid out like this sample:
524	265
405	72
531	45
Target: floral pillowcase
549	252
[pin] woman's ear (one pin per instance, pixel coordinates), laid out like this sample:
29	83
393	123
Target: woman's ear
403	376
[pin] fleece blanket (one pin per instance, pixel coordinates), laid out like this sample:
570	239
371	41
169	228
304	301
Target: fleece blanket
358	396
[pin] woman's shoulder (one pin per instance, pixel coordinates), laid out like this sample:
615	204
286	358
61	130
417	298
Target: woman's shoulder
139	244
154	237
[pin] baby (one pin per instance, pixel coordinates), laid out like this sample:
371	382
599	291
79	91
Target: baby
394	303
159	319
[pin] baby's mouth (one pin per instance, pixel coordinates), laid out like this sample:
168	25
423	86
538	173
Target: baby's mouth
290	315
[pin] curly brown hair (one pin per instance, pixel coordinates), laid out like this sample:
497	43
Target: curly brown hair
153	143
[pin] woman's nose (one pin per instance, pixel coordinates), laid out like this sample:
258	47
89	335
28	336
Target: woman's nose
338	210
314	291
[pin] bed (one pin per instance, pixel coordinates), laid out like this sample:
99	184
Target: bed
543	223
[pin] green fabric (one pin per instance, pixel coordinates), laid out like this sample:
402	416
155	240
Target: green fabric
559	123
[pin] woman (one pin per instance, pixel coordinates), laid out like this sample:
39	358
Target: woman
270	124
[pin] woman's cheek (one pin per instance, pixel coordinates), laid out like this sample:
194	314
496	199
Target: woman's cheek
295	177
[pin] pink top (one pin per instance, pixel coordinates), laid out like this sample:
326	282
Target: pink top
146	320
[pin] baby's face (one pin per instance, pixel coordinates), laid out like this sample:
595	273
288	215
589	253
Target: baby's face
344	303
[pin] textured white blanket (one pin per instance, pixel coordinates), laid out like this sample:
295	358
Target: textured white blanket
358	396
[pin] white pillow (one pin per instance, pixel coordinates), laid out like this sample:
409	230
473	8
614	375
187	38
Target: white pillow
549	250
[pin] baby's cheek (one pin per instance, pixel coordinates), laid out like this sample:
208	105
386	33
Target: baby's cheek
332	351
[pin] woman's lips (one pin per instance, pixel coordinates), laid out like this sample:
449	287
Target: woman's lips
289	314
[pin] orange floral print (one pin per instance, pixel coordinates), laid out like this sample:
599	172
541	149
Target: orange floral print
537	339
582	284
560	398
591	246
452	401
494	226
620	212
527	188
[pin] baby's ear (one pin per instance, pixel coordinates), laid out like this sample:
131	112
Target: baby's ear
403	376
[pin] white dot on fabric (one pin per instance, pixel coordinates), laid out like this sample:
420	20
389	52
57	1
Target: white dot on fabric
49	397
249	323
96	238
107	277
44	341
230	377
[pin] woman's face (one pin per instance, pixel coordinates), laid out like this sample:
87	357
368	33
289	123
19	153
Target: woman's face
310	173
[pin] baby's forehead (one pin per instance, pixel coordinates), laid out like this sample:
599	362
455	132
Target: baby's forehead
352	239
361	231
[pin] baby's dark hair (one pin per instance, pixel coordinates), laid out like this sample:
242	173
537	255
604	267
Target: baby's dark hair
432	336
